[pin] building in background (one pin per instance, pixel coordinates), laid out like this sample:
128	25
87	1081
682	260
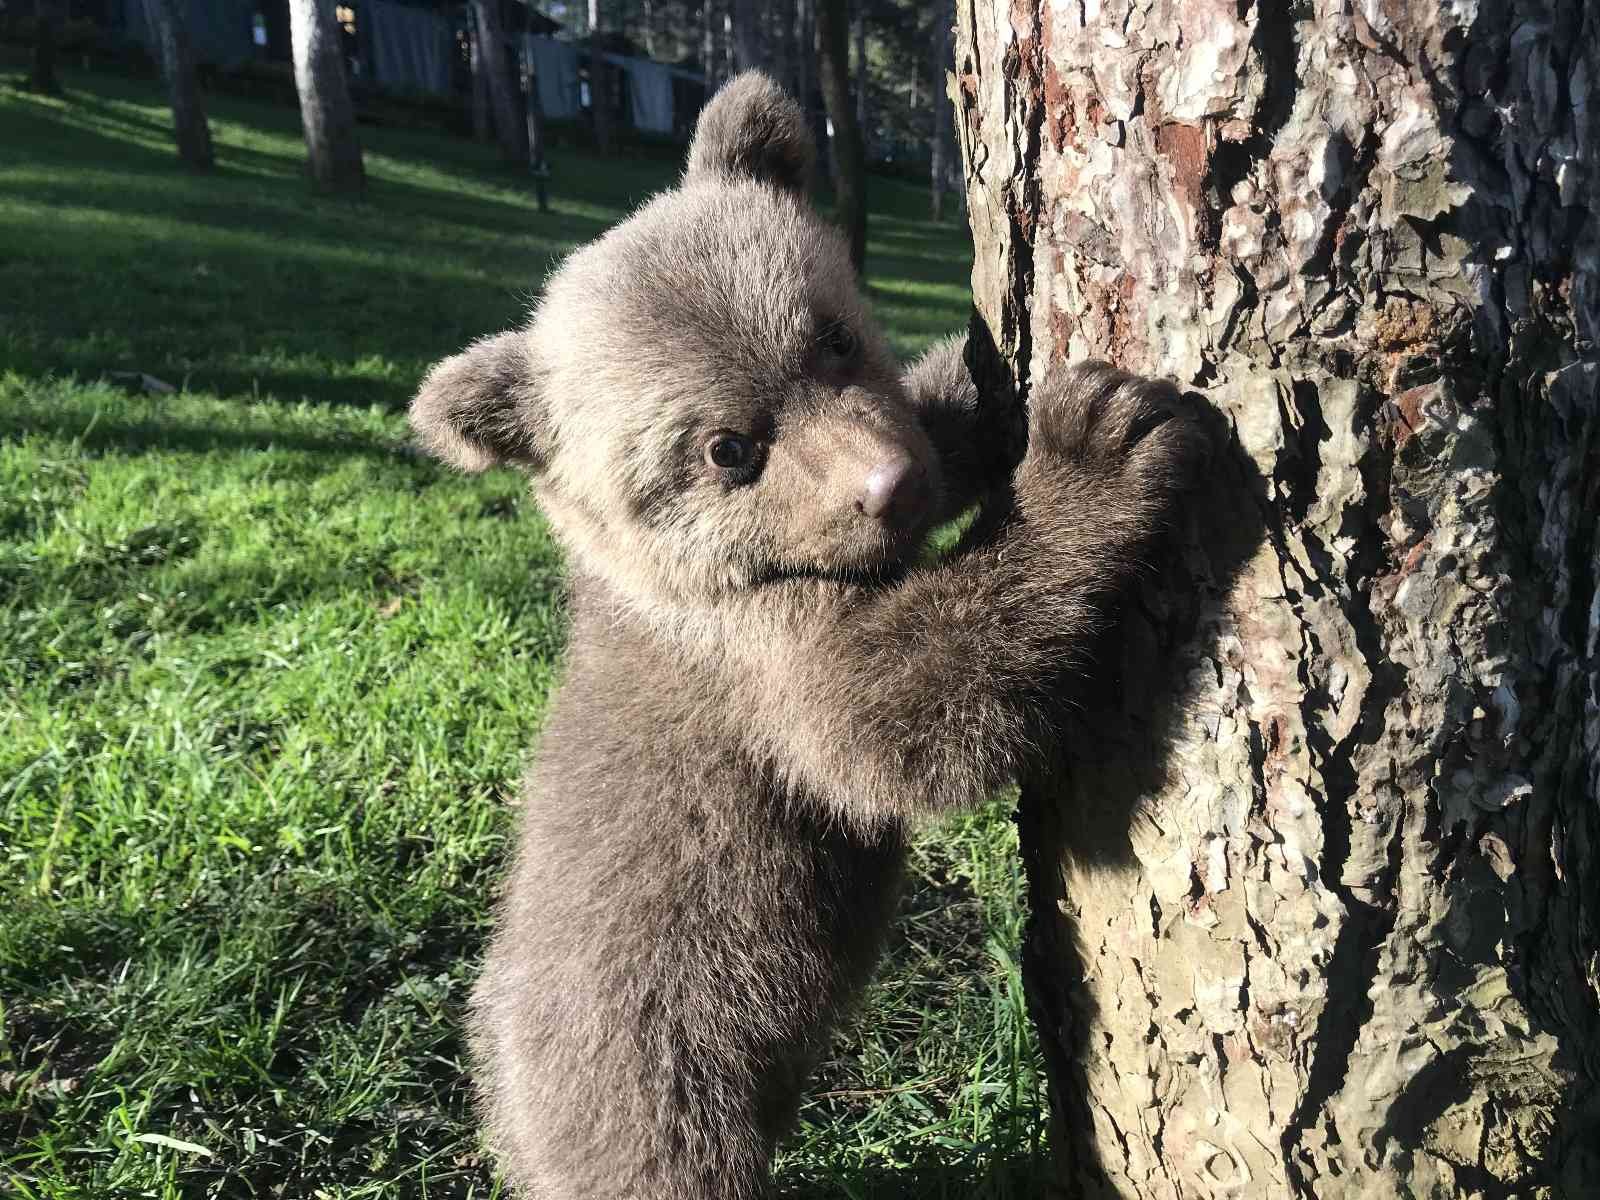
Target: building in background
421	47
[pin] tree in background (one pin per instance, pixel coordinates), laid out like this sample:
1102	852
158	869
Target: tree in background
46	22
846	157
325	112
169	27
482	123
858	35
1316	886
939	138
599	82
504	96
749	36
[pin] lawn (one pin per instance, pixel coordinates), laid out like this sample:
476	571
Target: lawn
267	679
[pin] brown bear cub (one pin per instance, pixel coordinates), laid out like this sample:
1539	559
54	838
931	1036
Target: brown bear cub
766	684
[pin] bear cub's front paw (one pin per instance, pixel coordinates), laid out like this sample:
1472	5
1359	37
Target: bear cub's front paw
1095	418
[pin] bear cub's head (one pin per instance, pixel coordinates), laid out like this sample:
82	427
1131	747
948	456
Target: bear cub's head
701	398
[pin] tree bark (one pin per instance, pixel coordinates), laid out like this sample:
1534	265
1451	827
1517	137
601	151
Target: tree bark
805	54
191	130
858	35
1316	898
749	40
482	123
47	22
599	80
505	98
783	45
939	126
845	151
325	112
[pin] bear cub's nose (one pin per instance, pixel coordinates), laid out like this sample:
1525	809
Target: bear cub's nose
895	490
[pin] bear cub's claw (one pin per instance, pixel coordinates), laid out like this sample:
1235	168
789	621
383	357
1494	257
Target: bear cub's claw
1118	426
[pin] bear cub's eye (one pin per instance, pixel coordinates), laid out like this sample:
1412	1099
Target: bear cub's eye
730	451
838	340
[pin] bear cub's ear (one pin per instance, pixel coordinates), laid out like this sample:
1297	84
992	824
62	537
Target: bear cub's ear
481	408
753	129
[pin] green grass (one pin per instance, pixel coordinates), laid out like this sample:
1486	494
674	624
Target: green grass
267	678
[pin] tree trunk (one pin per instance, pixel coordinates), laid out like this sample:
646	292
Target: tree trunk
504	97
805	56
482	123
846	156
536	146
1316	880
858	35
169	28
599	80
939	126
749	44
325	112
783	45
47	21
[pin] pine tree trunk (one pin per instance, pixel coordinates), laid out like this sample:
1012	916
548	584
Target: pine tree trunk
191	130
749	44
783	44
939	126
325	112
47	21
482	124
504	97
1316	881
858	36
805	54
846	155
599	81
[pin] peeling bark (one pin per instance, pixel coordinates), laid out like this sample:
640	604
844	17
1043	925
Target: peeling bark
1315	886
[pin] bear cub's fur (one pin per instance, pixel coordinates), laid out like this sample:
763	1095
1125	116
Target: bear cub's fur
766	684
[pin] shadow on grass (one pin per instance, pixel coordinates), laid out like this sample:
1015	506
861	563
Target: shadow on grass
100	434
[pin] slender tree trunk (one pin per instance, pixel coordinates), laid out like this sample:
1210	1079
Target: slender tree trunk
325	112
708	46
1316	882
833	67
599	83
783	44
47	22
504	97
749	46
536	158
858	33
482	123
805	53
169	29
939	126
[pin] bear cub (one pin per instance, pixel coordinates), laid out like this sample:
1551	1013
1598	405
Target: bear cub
766	683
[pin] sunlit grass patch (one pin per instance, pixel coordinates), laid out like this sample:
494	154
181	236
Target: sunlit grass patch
267	679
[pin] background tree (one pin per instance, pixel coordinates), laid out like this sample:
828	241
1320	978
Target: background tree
858	35
192	132
505	98
1316	906
939	138
846	154
749	35
482	123
46	22
599	82
325	112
